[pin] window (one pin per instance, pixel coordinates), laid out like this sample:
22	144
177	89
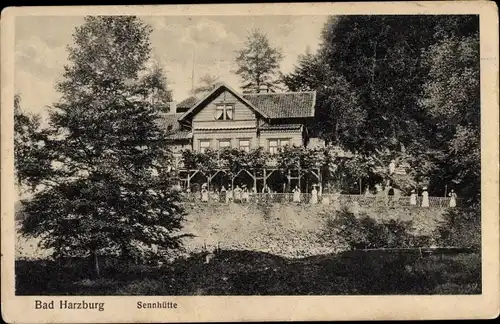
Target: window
275	144
224	143
204	145
245	145
224	112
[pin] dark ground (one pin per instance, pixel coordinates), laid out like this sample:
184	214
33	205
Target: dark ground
256	273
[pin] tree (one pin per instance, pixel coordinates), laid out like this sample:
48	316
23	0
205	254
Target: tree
258	63
379	57
30	159
378	74
154	83
451	99
109	191
338	109
207	83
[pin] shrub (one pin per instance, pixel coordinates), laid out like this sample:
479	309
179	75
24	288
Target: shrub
364	232
461	227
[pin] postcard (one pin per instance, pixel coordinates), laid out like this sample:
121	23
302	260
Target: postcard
250	162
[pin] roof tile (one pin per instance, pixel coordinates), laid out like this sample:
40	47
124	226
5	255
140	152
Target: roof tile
284	105
275	105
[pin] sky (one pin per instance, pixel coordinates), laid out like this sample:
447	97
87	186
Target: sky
41	42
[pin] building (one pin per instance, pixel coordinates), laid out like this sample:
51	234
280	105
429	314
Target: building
225	118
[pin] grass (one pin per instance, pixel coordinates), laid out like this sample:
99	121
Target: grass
233	272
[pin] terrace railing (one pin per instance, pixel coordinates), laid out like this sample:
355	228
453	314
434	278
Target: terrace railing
325	199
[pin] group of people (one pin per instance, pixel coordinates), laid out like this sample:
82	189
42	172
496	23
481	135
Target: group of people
239	194
425	198
424	201
242	195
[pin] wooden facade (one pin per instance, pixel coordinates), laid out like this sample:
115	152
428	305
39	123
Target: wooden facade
225	118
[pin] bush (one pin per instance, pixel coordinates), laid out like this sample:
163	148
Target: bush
461	227
364	232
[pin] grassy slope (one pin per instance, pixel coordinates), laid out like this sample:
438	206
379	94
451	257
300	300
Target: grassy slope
266	250
282	229
287	230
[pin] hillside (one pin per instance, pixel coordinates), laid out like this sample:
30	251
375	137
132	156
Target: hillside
286	230
282	229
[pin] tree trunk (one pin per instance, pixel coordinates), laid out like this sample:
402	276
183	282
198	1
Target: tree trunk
95	262
337	132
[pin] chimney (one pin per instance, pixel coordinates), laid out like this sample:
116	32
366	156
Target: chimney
173	107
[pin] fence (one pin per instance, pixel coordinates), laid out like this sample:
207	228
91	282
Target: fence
325	199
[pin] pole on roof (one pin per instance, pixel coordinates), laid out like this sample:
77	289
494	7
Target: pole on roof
192	70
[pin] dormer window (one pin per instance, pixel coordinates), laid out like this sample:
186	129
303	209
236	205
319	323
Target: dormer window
224	112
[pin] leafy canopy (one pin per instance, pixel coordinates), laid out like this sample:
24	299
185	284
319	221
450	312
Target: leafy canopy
108	189
258	63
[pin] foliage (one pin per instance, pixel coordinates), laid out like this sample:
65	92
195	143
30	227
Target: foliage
338	110
461	227
452	102
365	232
109	192
30	157
258	63
235	272
207	83
413	92
154	85
293	157
206	161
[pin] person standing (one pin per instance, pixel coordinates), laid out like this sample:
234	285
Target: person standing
245	194
296	194
453	198
204	193
237	194
314	195
390	194
229	194
413	198
425	197
223	194
255	196
392	167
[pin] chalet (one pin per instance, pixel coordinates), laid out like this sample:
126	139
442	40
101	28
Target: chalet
226	118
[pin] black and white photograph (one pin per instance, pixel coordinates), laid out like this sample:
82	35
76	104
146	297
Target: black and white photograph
246	155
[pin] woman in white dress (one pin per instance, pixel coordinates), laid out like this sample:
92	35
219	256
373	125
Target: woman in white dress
237	194
425	197
296	194
204	193
244	194
314	195
453	198
413	198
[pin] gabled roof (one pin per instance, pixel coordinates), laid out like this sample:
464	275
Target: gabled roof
170	119
268	105
187	103
216	91
171	123
284	105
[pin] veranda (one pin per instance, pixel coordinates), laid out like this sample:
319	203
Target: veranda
292	167
278	180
